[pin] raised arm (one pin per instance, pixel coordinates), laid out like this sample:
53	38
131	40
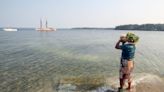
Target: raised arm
118	45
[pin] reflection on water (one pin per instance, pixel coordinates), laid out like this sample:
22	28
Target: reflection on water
29	59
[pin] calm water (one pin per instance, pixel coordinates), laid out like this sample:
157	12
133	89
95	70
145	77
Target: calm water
28	59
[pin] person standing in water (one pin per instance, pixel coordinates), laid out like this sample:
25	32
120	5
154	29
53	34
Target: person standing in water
127	45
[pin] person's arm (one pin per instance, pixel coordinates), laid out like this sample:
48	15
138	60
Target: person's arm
118	45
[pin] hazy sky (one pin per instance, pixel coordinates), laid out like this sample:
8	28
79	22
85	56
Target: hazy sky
80	13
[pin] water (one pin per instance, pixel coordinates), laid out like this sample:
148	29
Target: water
31	59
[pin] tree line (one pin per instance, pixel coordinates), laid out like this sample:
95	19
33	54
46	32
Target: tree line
148	27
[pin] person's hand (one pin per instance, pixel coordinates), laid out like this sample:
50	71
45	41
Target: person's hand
119	40
123	38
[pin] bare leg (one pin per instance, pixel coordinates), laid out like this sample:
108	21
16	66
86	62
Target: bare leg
121	85
129	83
122	82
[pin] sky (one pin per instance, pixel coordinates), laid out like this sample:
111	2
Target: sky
80	13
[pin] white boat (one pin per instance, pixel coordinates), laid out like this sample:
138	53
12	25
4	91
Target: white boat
45	29
10	29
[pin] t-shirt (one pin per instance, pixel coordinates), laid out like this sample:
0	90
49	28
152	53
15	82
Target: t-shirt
128	51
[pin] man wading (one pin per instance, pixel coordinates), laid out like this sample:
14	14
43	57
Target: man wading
127	45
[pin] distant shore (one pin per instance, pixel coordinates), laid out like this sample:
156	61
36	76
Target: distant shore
142	27
131	27
92	28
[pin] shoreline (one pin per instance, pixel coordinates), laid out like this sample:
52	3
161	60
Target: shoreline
143	82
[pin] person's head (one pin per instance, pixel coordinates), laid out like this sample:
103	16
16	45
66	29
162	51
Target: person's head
132	38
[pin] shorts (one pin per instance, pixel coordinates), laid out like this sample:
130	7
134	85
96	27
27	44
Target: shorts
126	69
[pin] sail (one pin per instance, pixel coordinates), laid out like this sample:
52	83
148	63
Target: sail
46	28
46	24
40	23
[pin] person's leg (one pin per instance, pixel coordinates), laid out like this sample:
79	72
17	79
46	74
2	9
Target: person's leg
120	89
129	85
129	82
130	77
121	83
122	76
